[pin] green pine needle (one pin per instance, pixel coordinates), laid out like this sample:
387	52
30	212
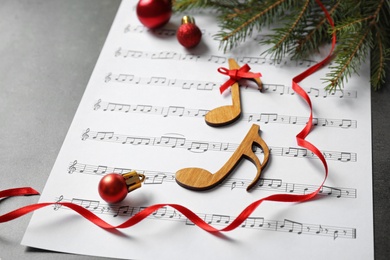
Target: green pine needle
362	29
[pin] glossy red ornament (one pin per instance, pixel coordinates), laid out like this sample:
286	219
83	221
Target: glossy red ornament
154	13
112	188
188	34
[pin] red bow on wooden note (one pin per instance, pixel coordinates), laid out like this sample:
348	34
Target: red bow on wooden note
235	75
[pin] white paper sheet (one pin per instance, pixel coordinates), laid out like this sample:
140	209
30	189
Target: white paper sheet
143	109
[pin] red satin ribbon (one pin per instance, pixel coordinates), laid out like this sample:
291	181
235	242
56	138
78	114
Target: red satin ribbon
185	211
23	191
235	75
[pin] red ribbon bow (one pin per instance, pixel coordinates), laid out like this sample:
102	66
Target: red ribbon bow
235	75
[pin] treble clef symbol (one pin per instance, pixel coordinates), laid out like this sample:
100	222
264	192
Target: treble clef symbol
108	77
57	205
72	167
85	135
97	105
118	52
127	29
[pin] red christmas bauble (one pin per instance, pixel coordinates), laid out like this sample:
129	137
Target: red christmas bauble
112	188
188	34
154	13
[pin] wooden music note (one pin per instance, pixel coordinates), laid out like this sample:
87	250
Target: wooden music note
201	179
225	115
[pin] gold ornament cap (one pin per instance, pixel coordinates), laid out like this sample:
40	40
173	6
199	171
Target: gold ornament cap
133	180
187	19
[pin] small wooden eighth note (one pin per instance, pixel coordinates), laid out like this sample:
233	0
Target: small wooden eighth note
225	115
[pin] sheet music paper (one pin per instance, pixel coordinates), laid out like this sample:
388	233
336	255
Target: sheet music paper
143	109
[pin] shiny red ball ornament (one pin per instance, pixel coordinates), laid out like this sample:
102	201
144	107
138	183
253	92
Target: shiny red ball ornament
154	13
112	188
188	34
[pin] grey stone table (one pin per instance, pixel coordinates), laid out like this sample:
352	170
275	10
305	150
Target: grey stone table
48	49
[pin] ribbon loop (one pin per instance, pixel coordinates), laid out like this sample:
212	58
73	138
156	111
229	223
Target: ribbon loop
235	75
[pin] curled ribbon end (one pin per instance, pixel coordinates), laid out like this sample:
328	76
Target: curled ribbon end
23	191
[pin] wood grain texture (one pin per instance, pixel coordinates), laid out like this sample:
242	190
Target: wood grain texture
201	179
225	115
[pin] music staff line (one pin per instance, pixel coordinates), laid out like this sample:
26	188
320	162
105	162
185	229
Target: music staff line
217	59
180	111
254	223
163	32
265	184
197	146
279	89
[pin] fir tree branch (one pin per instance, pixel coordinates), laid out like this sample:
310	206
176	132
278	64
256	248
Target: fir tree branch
378	68
352	51
348	60
252	20
259	15
308	44
286	37
361	26
294	25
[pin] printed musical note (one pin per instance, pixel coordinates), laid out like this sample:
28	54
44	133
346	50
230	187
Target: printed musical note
132	54
237	184
252	222
320	229
198	147
190	57
329	191
290	187
164	32
295	152
171	141
159	81
165	55
88	204
217	219
217	59
266	184
252	60
155	179
266	118
143	108
174	111
122	211
345	123
345	157
268	88
201	146
103	135
160	213
292	226
138	29
124	77
273	183
100	170
277	88
314	92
